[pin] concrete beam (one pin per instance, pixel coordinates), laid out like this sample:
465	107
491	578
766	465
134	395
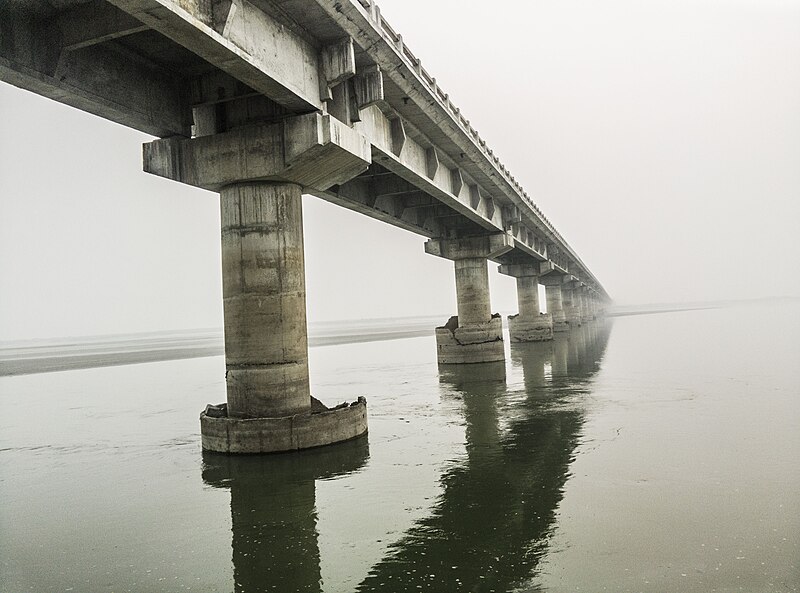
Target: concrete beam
242	40
422	166
368	87
551	272
96	22
419	89
338	61
106	81
362	194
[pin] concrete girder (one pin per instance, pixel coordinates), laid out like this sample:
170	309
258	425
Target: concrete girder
422	166
367	29
289	53
242	40
361	195
527	241
104	80
551	273
95	22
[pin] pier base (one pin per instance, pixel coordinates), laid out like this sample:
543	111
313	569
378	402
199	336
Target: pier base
476	342
530	329
318	427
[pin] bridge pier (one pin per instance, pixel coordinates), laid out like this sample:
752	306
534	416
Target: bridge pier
530	324
475	334
584	304
555	305
263	286
571	303
269	405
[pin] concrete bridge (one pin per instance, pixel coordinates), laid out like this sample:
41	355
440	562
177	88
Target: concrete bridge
263	100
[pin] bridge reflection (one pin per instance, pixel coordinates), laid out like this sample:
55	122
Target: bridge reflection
491	525
273	512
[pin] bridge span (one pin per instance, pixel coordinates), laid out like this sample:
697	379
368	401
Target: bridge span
264	100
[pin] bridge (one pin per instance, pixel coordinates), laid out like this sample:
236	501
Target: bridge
264	100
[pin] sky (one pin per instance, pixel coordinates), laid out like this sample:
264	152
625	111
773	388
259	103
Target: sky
662	138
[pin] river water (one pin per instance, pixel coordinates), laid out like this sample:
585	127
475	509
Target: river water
653	453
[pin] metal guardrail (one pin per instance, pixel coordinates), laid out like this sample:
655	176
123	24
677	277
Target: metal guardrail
396	39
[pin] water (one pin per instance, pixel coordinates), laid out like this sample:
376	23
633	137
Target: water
660	454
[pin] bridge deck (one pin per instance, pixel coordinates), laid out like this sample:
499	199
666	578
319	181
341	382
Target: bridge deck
167	66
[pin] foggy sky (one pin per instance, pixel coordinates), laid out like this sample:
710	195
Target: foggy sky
662	139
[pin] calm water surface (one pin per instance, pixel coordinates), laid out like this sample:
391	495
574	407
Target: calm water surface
658	455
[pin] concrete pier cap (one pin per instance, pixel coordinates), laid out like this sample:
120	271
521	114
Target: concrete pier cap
260	172
475	334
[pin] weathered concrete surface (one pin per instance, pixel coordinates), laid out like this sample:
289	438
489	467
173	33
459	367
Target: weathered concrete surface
530	324
585	305
264	299
269	407
530	329
570	301
313	150
472	291
260	100
475	334
477	342
314	428
186	69
555	307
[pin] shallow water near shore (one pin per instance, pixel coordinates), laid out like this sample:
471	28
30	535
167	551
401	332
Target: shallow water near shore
652	453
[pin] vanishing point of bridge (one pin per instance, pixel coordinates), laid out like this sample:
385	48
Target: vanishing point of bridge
263	100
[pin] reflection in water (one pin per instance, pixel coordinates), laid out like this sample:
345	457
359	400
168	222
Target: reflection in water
273	512
491	525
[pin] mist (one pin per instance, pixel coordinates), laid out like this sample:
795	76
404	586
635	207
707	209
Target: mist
662	139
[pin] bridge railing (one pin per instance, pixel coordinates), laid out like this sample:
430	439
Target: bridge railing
396	39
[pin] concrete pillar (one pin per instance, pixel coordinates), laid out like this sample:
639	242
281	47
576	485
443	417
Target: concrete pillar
264	298
571	303
530	324
555	307
475	334
472	291
528	296
583	296
269	406
592	305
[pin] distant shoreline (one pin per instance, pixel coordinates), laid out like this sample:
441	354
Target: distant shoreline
653	311
26	357
44	359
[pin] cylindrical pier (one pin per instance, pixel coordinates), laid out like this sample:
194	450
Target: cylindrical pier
263	283
528	296
472	291
556	308
530	324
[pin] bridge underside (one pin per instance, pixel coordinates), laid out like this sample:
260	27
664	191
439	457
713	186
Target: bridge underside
263	100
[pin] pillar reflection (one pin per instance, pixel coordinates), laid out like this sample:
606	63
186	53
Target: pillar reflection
490	528
273	513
